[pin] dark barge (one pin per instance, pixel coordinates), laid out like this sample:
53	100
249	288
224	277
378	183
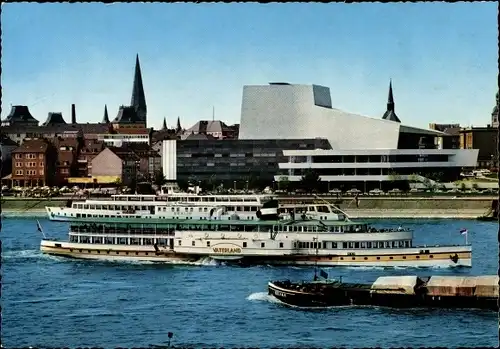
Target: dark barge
479	292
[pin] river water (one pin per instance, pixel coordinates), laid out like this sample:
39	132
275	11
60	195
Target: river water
57	302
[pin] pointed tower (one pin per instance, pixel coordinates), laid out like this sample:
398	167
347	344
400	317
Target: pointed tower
105	119
138	99
164	127
390	114
494	113
178	128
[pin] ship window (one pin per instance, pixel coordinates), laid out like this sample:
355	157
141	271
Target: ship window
244	244
407	243
363	244
192	243
390	257
262	244
341	258
378	257
334	245
356	245
92	207
394	244
418	257
365	258
80	250
431	256
401	244
404	257
208	243
180	242
324	244
281	245
353	258
351	245
146	253
117	252
344	245
137	253
86	207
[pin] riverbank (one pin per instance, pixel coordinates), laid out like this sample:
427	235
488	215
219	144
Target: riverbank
414	213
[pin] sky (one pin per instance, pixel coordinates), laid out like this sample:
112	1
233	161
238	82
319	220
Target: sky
442	57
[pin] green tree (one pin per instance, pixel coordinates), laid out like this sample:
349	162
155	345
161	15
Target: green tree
283	183
159	179
310	182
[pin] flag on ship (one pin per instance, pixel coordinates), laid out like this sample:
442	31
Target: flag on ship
323	274
39	228
463	231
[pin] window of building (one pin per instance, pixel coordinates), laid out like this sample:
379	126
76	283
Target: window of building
41	172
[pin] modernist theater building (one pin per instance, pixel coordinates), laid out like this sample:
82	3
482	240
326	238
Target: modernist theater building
287	129
363	149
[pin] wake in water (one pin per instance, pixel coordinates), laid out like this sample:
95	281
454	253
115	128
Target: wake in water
265	297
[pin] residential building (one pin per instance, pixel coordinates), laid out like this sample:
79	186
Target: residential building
120	163
450	138
33	163
7	146
19	116
149	159
89	149
67	159
215	128
125	136
483	138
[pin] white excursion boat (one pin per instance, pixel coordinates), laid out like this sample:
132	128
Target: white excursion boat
171	206
275	242
191	206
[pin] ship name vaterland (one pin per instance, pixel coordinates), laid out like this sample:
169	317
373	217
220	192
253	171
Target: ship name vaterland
315	234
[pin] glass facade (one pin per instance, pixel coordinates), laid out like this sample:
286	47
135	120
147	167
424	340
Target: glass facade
237	160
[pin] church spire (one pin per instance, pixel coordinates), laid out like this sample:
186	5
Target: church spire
164	127
138	99
178	129
390	113
105	119
390	100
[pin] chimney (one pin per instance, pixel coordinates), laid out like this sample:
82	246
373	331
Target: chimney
73	114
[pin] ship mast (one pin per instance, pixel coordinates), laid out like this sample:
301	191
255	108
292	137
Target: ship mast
315	239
